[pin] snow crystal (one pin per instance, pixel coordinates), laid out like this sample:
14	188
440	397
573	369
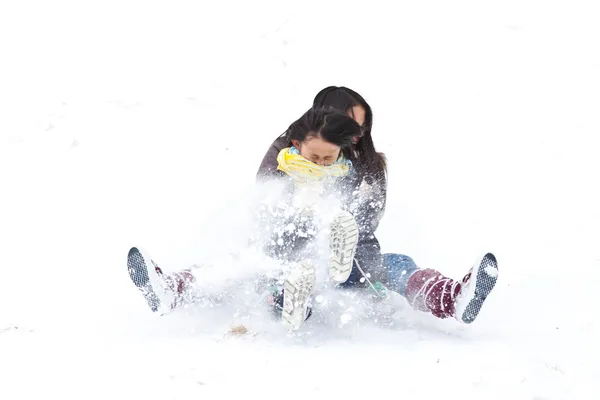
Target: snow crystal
345	318
291	227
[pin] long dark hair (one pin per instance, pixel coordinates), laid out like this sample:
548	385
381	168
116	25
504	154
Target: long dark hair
328	123
369	163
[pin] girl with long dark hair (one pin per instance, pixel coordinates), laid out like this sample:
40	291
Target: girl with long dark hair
366	189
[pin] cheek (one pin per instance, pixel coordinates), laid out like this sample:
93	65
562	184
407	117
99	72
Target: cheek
303	152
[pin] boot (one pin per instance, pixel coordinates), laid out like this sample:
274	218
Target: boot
162	292
429	290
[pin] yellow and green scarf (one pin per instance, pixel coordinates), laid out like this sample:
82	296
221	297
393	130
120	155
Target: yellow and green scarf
300	169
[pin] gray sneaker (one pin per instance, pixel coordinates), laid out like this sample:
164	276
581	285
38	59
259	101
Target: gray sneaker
297	291
343	238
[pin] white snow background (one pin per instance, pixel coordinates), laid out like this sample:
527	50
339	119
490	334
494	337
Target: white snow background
142	123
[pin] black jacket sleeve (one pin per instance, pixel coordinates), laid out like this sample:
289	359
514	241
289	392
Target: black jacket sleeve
281	243
366	200
268	166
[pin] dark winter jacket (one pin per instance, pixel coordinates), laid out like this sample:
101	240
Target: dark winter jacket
364	197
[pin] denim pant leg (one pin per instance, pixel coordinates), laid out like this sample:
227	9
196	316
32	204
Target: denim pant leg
353	279
399	268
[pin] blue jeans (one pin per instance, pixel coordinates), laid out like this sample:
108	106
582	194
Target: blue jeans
399	269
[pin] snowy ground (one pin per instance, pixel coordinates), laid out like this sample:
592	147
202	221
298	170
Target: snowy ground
138	123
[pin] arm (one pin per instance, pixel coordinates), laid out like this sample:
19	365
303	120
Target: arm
277	213
365	201
367	204
268	166
373	208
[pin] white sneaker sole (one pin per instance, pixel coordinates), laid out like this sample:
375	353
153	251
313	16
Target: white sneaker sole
472	296
343	238
142	271
297	290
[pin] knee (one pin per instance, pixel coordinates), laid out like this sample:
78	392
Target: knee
398	261
399	269
398	265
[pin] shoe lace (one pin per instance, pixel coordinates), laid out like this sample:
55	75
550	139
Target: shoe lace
380	293
425	291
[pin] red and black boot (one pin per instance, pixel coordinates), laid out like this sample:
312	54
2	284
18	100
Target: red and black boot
162	292
429	290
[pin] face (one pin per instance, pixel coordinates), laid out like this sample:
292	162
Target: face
359	115
317	150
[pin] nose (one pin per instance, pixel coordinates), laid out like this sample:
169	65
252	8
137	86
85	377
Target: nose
324	163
